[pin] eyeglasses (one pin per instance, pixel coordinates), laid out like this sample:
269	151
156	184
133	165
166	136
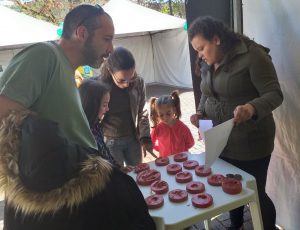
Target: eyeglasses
123	81
98	11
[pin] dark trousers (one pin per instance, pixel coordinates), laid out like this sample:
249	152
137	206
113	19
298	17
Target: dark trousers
258	169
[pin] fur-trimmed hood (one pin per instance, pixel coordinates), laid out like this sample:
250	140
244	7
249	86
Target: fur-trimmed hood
92	177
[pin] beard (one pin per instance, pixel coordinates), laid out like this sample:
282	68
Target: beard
90	55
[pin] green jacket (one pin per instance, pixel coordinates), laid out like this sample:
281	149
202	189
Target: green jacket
246	75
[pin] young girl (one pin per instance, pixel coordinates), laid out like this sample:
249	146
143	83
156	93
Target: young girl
169	135
95	96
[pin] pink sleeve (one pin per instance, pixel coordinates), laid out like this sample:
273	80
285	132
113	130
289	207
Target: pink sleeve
189	139
154	139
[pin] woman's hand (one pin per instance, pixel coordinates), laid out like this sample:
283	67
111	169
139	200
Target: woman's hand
195	119
148	147
243	113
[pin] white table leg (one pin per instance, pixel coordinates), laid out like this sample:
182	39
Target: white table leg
207	224
255	208
256	217
159	223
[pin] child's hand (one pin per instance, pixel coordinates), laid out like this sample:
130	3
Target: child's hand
195	119
127	168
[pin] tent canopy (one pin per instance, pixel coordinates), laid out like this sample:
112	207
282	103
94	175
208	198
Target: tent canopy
19	29
130	18
157	41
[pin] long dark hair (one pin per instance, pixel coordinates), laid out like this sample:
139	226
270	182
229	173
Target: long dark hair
91	92
119	59
208	27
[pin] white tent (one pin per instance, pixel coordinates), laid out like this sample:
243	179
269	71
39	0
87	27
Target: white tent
157	41
19	30
275	24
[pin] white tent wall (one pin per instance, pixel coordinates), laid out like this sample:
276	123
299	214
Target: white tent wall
172	59
19	30
157	41
275	24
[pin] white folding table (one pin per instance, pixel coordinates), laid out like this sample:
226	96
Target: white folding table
173	216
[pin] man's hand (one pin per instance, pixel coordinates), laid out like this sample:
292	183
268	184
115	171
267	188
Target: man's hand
243	113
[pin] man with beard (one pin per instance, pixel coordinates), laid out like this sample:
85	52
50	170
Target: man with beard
41	77
50	169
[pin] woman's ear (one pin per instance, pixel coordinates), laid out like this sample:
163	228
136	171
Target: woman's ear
217	40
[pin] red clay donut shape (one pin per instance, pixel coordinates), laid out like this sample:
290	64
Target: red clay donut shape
200	171
160	187
195	187
154	201
162	161
203	200
184	177
147	177
215	180
180	157
178	195
141	167
174	168
231	186
190	164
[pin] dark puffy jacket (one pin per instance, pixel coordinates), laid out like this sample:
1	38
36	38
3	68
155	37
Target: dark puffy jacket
51	183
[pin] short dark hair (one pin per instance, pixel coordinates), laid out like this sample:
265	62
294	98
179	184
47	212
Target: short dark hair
91	91
208	27
119	59
85	15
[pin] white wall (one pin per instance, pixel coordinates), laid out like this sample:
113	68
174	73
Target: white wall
275	24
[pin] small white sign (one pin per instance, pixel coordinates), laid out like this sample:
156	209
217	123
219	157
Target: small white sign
204	125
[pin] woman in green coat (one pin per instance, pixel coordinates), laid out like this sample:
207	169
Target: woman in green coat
238	80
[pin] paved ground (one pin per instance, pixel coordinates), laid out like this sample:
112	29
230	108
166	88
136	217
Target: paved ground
187	105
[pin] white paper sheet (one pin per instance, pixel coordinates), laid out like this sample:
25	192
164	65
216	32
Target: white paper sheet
215	141
204	125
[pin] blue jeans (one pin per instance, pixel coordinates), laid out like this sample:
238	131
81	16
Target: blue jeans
125	150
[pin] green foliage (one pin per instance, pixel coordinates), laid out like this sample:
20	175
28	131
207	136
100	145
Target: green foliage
163	6
52	11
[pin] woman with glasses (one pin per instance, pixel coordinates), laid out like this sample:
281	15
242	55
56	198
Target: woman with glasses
126	125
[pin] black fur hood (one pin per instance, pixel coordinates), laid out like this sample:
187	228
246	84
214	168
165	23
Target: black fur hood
41	171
